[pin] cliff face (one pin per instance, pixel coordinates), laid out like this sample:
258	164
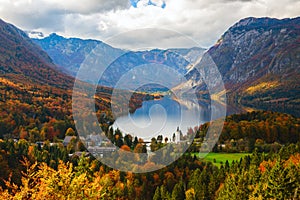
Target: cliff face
254	48
259	60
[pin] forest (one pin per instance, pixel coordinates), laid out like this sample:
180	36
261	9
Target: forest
29	170
271	170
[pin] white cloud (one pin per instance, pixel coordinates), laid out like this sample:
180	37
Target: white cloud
89	6
202	20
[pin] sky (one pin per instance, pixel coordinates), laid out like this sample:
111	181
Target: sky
137	24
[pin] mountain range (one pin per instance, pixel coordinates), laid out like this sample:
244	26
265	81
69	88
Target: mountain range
70	54
258	58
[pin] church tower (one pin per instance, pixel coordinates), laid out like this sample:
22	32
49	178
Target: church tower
177	135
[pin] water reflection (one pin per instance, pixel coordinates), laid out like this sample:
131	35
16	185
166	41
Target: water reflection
162	117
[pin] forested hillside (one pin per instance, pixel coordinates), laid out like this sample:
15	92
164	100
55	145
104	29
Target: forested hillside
266	131
31	172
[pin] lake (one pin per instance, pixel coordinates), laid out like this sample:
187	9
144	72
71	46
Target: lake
161	117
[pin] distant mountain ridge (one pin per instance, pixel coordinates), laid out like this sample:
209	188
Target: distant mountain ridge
70	53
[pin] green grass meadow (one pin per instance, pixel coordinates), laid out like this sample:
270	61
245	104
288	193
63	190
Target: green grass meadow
218	158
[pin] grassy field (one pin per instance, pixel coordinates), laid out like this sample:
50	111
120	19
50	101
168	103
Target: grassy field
218	158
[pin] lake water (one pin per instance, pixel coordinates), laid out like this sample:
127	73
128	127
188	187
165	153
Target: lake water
161	117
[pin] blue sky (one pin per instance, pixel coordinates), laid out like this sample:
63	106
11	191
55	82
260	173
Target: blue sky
202	20
161	4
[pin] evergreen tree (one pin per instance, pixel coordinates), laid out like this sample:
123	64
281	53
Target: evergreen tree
178	192
282	182
164	193
157	195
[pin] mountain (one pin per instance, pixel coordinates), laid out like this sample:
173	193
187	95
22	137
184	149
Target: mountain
253	48
138	65
36	97
259	60
70	53
23	61
33	90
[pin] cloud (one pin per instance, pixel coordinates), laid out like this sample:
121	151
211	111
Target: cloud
151	38
90	6
55	15
202	20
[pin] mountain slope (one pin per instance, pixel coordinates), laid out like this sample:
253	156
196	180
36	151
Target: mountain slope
259	60
36	98
22	60
254	47
34	95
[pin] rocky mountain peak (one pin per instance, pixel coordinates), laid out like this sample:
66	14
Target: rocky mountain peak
255	52
254	47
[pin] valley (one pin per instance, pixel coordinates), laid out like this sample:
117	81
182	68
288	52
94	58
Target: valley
45	137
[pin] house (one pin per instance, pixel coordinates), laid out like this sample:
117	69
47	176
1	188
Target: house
68	139
94	140
40	144
101	151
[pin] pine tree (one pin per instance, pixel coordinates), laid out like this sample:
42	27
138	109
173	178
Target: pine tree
157	195
178	192
283	182
164	193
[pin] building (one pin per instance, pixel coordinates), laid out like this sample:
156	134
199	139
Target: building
101	151
177	135
68	139
93	140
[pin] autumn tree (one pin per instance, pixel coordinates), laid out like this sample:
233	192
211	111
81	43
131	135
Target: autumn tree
70	132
